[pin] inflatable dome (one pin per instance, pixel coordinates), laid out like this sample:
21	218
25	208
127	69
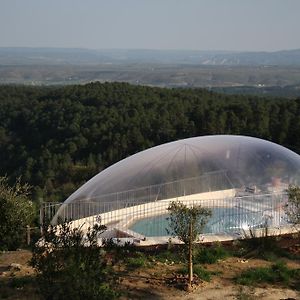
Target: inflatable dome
194	165
241	179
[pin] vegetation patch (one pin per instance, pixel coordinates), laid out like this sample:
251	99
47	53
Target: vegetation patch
138	261
277	273
16	211
71	265
132	272
210	255
199	271
81	129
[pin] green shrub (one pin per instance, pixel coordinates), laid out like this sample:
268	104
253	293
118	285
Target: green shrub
137	261
71	265
202	273
175	256
277	273
16	211
210	255
252	276
118	252
199	271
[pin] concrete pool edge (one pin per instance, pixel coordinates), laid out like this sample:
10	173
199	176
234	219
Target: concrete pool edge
211	238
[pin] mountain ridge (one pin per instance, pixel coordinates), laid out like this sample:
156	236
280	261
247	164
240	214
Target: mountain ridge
82	56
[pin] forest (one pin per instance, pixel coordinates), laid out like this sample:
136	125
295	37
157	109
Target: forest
56	138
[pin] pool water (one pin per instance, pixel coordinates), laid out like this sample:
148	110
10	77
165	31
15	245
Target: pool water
223	220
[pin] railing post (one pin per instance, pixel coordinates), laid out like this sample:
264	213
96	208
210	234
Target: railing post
42	216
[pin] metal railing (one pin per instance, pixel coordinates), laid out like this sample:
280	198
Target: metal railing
139	218
212	181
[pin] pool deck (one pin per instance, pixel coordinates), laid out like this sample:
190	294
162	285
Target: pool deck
211	238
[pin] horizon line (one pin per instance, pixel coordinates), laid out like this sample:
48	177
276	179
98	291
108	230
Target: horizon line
148	49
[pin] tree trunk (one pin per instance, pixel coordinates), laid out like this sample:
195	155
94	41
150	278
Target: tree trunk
190	255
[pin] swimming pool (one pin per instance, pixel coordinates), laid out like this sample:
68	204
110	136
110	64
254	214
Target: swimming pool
223	220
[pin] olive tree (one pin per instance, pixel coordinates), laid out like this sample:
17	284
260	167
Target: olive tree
187	223
16	211
292	207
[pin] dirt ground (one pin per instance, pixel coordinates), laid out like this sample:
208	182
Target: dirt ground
16	281
145	285
16	276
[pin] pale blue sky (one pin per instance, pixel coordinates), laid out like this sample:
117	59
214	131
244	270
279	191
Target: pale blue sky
151	24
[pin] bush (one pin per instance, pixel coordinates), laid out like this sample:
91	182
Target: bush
202	273
199	271
71	265
210	255
175	255
259	240
16	211
277	273
292	207
135	262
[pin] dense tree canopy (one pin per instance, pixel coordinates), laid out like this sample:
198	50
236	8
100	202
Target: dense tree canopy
56	138
16	211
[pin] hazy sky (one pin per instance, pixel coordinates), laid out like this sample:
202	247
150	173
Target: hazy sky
152	24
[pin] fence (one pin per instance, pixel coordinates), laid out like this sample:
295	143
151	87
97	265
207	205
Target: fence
140	219
97	204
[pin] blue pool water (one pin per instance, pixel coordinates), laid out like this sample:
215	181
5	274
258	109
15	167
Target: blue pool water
223	220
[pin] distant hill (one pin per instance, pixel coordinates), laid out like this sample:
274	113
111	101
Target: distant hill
69	56
259	73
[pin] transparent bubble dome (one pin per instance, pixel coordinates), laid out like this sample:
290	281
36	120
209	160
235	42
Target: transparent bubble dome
214	162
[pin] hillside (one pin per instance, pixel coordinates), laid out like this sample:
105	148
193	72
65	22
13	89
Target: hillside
261	73
56	138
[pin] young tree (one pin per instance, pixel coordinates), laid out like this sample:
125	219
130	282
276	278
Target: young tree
187	223
292	208
16	211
